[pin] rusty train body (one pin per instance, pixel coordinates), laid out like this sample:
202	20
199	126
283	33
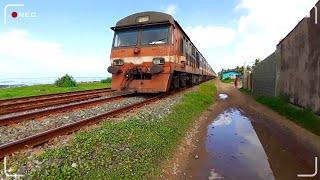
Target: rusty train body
151	53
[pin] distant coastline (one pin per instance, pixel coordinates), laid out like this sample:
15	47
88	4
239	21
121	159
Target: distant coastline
17	82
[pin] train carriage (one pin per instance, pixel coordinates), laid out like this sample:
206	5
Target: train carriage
151	53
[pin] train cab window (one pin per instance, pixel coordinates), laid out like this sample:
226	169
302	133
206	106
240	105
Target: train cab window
126	38
155	36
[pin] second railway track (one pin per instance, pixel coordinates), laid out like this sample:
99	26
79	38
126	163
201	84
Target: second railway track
39	113
24	104
45	97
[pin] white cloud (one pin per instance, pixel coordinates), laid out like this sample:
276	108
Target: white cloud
171	9
260	29
23	56
17	43
210	36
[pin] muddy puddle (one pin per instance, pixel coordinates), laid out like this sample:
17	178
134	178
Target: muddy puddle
223	96
238	147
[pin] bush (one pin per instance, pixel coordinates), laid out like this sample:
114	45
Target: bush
66	81
107	80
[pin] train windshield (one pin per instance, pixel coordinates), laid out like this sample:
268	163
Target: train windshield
126	38
155	36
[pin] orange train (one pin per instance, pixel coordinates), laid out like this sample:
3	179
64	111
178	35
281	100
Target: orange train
151	53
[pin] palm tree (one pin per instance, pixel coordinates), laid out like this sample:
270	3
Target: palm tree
257	61
237	68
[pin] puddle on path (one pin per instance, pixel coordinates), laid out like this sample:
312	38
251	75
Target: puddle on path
235	147
242	148
223	96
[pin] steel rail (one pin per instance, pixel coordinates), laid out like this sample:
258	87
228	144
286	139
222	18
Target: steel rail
11	147
35	105
43	112
52	96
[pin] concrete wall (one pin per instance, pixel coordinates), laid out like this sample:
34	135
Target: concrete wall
247	80
264	78
299	80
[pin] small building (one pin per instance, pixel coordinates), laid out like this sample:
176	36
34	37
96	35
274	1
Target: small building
230	74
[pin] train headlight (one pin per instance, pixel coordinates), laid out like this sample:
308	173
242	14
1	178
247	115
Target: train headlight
118	62
113	70
155	69
158	61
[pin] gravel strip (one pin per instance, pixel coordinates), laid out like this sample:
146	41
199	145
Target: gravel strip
30	127
161	108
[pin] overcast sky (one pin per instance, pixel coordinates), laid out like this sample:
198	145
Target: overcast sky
74	36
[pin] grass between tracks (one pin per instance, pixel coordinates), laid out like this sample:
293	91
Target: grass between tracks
300	116
6	93
133	149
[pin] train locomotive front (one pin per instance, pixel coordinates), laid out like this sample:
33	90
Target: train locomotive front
145	53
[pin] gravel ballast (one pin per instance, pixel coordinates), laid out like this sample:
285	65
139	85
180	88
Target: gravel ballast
31	127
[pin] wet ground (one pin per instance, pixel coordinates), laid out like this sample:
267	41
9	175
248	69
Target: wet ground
238	138
234	146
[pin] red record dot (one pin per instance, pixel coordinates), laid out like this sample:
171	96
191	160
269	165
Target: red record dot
14	14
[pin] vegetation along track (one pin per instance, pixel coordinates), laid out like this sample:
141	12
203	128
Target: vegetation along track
9	148
39	113
43	137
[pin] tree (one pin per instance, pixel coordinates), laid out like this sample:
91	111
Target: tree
237	68
256	62
241	69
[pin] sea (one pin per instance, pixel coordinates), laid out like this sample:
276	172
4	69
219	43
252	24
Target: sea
15	82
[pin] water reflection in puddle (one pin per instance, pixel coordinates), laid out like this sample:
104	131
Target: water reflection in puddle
234	149
223	96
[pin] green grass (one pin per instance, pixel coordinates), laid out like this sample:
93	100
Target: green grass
300	116
6	93
133	149
228	80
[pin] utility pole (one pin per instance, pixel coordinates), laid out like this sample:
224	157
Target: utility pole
244	74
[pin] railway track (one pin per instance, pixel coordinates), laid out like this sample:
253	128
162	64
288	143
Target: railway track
63	108
46	97
40	138
20	106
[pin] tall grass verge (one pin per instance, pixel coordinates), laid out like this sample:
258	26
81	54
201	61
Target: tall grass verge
300	116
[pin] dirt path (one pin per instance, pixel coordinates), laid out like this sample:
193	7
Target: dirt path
238	138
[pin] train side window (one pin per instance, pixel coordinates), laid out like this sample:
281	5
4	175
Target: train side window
181	46
172	36
186	59
185	48
197	59
193	51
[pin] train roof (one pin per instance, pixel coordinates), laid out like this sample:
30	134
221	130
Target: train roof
144	18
